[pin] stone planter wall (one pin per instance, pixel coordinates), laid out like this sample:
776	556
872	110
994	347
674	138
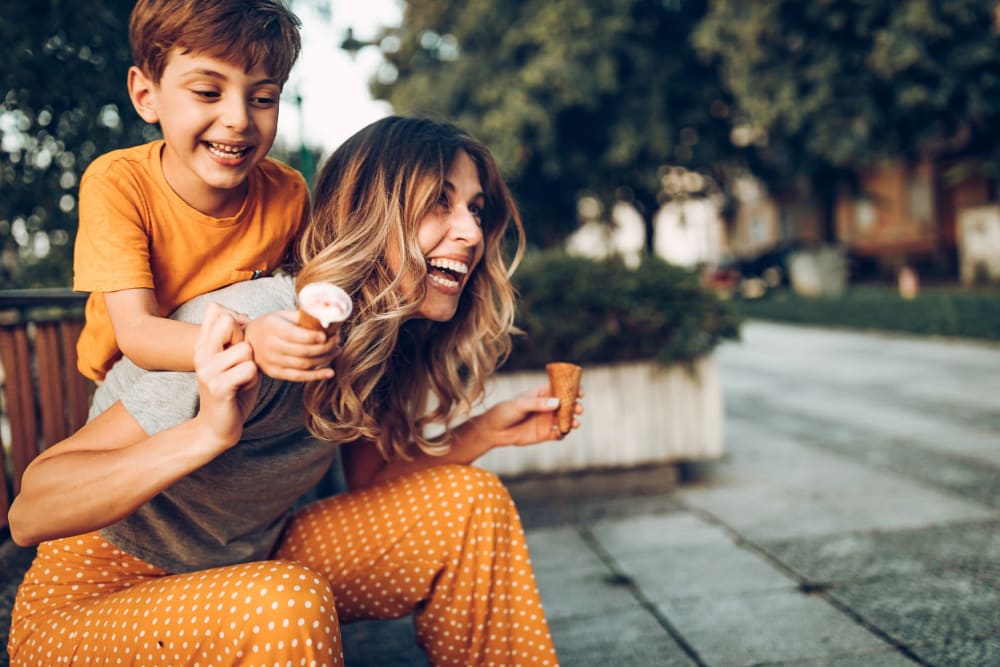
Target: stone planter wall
635	413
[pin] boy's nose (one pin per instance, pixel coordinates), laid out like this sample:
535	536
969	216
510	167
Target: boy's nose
235	115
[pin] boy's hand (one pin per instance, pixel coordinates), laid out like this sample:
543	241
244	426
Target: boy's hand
285	351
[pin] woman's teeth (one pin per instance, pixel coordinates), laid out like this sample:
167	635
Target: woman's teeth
449	264
446	268
441	280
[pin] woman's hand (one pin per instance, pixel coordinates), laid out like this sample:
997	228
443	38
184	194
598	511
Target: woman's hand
526	419
228	379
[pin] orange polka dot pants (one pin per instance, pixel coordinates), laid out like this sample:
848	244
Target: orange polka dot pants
445	544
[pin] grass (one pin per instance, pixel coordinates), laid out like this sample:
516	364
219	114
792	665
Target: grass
936	311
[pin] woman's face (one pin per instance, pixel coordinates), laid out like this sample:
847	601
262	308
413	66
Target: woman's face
451	238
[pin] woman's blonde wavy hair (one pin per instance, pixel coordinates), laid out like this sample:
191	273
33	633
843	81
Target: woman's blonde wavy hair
397	374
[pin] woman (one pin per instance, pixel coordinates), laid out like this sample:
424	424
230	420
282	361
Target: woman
166	528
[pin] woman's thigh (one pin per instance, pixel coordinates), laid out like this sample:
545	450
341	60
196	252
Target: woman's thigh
85	602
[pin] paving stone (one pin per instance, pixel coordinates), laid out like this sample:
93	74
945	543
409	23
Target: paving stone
630	637
554	500
972	547
585	589
961	653
658	532
382	644
761	510
889	657
699	571
926	608
559	549
776	626
968	478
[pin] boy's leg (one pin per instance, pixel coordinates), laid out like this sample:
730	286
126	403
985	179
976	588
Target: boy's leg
85	602
445	543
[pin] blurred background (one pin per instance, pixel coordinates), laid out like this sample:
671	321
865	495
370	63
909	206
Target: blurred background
831	159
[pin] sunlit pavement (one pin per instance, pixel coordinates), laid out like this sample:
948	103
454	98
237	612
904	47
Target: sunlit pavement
855	520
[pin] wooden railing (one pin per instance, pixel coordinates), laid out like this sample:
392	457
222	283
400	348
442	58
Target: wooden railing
43	398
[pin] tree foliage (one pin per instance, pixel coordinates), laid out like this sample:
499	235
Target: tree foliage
595	96
63	102
571	96
841	83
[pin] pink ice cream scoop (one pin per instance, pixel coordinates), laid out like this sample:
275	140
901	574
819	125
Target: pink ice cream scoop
323	306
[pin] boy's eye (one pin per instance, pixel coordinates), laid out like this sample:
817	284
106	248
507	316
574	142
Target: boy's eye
263	100
207	94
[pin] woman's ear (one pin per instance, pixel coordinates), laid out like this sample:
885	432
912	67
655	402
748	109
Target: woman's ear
141	92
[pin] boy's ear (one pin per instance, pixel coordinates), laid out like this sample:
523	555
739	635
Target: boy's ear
140	90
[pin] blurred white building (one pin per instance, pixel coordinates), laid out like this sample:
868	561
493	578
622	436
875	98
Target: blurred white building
686	233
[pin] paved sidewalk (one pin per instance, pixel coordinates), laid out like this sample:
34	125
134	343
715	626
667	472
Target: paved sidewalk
855	521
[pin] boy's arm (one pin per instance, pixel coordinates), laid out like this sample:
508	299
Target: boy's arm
150	340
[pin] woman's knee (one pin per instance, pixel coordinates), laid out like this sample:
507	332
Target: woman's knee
289	593
474	489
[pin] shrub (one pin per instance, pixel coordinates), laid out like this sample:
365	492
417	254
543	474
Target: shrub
965	313
600	311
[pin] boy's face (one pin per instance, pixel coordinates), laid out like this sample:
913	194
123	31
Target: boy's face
218	121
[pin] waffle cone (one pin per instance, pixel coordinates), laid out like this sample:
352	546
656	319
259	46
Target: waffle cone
309	322
564	379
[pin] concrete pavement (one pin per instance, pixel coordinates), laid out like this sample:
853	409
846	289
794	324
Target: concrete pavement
855	520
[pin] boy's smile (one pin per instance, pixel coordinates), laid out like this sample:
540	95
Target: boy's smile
218	122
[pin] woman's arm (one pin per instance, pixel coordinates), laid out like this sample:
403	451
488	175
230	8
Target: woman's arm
527	419
110	467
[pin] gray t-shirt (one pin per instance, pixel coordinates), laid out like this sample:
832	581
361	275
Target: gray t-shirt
233	508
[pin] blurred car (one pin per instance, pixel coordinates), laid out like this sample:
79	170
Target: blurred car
753	277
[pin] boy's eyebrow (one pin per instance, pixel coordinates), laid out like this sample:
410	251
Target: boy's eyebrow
205	71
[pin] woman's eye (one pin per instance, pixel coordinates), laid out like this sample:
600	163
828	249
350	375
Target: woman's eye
443	202
477	212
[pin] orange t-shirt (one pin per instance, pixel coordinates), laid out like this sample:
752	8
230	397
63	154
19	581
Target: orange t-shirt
135	232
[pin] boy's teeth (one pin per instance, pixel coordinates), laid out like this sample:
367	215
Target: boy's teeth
227	151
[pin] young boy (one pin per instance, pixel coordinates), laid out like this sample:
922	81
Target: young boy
204	207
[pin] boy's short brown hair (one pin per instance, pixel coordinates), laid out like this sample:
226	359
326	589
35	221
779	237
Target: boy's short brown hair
243	32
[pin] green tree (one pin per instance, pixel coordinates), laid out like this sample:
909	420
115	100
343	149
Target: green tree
63	102
573	97
828	86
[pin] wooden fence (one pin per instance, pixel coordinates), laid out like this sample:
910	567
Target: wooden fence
43	398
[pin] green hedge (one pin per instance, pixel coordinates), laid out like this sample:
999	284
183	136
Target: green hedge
599	311
935	311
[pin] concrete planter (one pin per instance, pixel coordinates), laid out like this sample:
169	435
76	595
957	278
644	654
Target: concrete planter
636	413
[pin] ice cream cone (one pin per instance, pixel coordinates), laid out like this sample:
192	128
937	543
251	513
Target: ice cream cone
323	307
565	381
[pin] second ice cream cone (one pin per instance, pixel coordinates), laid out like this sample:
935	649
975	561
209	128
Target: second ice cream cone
565	381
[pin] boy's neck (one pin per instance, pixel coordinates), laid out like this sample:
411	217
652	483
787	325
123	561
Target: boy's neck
196	193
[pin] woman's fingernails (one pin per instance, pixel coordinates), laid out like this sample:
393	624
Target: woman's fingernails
552	402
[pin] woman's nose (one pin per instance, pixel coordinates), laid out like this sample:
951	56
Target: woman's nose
466	226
